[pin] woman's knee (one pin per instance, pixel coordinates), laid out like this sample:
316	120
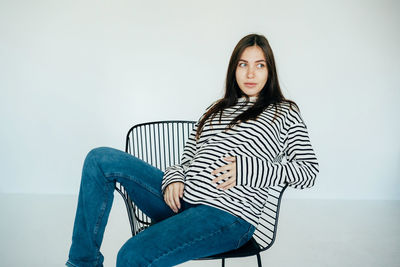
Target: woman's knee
130	255
96	156
95	152
99	153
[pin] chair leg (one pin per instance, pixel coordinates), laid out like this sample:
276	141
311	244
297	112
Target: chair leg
223	262
259	260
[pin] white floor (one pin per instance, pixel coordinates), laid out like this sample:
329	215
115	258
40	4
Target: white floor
36	231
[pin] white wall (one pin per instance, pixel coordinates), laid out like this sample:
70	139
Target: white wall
75	75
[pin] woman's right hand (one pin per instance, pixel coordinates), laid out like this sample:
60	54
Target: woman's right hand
172	193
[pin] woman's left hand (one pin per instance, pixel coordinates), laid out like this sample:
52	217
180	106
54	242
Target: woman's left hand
230	175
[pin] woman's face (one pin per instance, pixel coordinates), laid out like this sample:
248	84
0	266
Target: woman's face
251	71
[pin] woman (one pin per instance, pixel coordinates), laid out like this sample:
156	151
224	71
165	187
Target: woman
212	201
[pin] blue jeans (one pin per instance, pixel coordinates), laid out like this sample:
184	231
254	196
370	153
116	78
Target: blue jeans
195	231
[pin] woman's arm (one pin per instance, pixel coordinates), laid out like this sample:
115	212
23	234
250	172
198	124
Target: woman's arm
176	173
299	171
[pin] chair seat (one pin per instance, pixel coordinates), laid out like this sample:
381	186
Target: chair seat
249	249
177	134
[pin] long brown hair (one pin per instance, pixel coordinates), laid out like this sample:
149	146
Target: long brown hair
270	94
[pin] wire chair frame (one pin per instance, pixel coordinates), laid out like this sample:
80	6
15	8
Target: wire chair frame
161	144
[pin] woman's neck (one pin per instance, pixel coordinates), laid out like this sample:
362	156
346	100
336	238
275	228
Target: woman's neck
251	98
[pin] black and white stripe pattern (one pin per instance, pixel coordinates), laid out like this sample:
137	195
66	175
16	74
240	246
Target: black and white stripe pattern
268	154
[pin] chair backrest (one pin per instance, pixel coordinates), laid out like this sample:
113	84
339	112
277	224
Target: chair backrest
266	230
161	144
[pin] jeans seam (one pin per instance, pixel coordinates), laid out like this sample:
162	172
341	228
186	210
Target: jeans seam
102	210
245	235
101	170
97	225
133	179
70	264
192	241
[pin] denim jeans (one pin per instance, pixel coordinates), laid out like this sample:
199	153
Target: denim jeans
197	230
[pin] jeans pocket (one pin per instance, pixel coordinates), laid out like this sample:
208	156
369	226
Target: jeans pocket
246	236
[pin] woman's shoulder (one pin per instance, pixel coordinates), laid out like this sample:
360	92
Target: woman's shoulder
288	110
293	113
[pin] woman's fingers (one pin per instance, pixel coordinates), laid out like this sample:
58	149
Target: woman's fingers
181	190
228	184
172	194
171	199
166	197
176	196
226	167
228	178
231	172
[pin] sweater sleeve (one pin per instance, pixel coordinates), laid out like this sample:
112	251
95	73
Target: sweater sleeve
299	170
176	173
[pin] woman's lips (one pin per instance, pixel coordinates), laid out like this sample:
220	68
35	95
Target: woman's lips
250	84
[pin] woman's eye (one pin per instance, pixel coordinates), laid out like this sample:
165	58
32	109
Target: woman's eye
260	65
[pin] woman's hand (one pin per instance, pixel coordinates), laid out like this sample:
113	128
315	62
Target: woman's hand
230	175
172	193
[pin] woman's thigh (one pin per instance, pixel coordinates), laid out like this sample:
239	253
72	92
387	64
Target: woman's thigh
196	232
141	180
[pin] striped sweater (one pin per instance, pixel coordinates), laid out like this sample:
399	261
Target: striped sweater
268	153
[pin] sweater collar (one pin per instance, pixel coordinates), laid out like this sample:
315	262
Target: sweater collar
251	99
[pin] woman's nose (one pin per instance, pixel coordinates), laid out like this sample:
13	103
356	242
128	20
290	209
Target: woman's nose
250	72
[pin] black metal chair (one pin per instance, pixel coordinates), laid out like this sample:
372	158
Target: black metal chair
161	144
